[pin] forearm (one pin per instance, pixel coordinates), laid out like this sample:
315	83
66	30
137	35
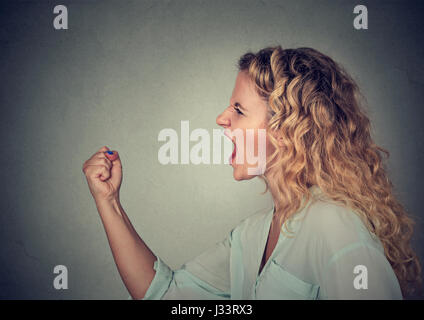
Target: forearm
132	256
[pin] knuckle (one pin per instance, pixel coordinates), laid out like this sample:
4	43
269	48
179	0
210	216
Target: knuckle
85	169
101	156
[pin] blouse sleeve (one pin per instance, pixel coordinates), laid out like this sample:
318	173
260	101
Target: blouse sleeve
360	271
206	277
353	263
347	260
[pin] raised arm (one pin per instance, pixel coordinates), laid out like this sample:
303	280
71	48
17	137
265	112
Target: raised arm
133	258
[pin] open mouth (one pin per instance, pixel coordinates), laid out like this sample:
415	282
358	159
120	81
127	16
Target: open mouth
233	155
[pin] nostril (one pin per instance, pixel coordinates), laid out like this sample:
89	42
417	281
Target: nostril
222	120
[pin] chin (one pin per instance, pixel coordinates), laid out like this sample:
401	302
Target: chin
239	175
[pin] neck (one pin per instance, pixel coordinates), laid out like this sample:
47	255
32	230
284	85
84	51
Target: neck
273	189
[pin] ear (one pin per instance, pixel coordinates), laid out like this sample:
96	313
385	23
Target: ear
278	137
280	141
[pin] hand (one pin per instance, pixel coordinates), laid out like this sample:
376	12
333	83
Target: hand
103	172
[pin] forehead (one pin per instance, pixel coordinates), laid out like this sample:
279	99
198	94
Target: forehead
244	91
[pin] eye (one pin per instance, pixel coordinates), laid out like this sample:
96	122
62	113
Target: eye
237	110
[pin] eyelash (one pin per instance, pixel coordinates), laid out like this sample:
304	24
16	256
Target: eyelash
238	110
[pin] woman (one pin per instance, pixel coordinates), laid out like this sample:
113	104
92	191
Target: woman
335	230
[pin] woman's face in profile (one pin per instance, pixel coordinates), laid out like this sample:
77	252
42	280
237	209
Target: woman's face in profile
247	110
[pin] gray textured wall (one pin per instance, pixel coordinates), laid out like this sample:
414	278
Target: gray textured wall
123	71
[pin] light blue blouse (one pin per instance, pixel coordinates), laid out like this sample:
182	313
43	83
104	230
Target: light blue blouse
329	255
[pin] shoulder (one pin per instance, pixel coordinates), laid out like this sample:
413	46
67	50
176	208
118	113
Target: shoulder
323	215
339	244
252	227
334	226
256	219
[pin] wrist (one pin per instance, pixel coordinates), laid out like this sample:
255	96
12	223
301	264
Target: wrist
113	202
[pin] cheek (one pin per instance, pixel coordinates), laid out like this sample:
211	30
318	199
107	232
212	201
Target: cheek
262	142
269	147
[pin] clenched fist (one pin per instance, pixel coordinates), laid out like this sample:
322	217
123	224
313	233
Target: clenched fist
103	172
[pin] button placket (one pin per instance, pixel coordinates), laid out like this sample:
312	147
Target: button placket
259	278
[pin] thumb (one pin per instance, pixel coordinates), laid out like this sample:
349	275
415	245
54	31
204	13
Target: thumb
111	155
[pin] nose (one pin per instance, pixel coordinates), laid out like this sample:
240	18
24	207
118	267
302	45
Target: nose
223	119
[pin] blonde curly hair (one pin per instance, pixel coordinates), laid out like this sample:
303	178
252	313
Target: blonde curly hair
315	107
